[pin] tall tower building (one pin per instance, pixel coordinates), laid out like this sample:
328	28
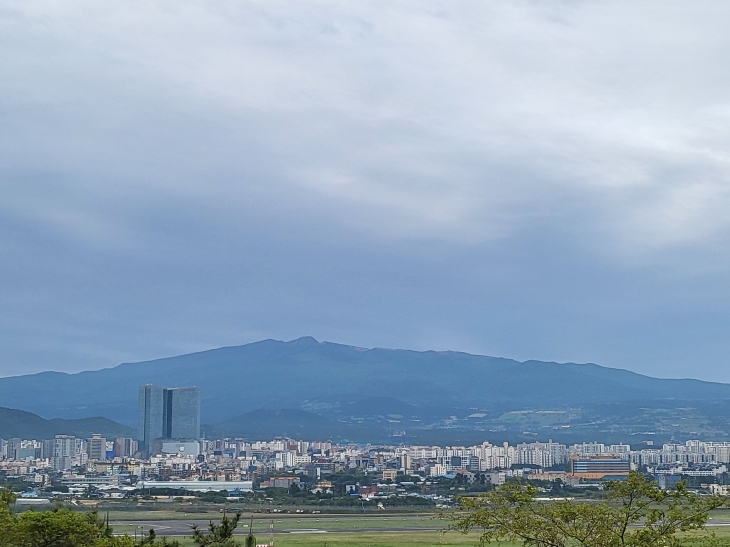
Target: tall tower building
182	413
151	415
168	414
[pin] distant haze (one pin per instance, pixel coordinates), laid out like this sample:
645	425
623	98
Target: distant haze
530	180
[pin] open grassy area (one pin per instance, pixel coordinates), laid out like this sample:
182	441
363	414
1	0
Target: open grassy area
338	521
297	524
389	539
216	514
393	539
333	530
185	512
161	514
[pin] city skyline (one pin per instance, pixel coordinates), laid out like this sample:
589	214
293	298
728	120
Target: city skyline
586	461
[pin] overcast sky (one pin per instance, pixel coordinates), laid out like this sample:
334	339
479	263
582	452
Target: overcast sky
535	180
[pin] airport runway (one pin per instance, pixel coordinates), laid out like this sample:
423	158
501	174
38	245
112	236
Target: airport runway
184	528
261	527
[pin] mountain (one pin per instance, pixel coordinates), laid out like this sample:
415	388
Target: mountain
391	390
26	425
294	423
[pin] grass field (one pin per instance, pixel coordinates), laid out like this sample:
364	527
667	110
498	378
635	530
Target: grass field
333	530
376	530
387	539
392	539
293	524
215	514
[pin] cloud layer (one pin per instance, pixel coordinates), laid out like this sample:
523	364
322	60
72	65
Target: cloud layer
530	179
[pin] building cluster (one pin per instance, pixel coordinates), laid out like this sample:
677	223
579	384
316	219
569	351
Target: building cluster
116	467
65	451
169	453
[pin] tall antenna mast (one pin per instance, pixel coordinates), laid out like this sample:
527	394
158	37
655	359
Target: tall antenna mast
271	529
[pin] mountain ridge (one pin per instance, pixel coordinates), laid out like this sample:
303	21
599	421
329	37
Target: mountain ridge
362	349
27	425
305	373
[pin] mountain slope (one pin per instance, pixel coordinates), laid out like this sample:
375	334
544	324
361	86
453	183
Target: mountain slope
26	425
298	424
301	373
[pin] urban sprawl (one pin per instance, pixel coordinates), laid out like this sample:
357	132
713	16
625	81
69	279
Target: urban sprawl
170	454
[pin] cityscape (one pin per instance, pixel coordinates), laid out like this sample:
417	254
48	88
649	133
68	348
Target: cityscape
169	453
416	273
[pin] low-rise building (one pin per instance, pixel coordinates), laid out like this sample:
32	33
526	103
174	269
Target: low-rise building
599	467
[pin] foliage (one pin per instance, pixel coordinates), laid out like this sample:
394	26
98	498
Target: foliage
151	539
62	528
57	528
213	497
6	519
218	535
635	513
6	498
15	484
250	538
115	541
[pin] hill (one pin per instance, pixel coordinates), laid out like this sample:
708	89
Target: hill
294	423
26	425
391	391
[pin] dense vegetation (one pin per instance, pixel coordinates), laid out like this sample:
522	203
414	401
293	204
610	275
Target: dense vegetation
65	528
635	513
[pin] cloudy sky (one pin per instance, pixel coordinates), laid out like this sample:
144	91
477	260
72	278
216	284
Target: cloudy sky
535	180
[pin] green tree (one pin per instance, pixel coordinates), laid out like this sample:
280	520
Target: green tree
63	528
6	517
6	498
218	535
635	514
250	538
57	528
151	539
115	541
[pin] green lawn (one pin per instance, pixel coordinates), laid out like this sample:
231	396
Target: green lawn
385	539
389	539
332	523
142	514
339	536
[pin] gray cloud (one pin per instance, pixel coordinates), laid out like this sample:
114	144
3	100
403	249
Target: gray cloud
528	179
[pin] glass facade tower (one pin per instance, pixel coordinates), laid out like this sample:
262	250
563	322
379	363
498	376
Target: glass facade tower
182	413
168	414
151	415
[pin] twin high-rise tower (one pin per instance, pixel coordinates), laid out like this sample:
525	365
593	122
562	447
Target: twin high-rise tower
164	413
